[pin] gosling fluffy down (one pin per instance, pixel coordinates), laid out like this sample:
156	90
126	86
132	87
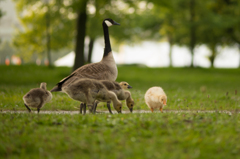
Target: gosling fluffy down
155	98
120	89
88	90
37	97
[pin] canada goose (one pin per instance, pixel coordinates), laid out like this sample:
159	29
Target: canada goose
119	90
155	98
37	97
105	69
88	90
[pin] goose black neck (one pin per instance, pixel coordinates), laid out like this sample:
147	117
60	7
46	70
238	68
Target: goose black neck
107	48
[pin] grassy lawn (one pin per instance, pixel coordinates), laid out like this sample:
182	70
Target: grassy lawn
120	136
186	88
145	135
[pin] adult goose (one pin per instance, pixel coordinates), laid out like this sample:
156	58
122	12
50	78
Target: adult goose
106	69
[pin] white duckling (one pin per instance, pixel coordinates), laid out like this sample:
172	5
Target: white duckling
155	98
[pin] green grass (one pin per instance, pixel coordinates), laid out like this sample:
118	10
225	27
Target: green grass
122	136
186	88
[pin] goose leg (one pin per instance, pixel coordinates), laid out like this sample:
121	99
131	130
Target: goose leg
161	110
81	107
38	109
152	110
109	108
95	107
84	108
29	110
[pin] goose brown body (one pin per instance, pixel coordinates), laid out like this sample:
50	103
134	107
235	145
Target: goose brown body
37	97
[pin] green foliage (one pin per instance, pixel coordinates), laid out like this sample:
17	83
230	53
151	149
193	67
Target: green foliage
147	135
33	16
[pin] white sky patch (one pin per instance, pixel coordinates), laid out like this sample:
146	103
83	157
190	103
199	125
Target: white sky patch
150	5
142	5
131	10
156	54
91	8
120	5
72	15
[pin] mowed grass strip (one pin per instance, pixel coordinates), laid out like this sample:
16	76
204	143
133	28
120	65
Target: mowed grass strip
186	88
150	135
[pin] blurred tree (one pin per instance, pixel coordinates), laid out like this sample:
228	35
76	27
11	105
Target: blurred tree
230	10
1	14
87	15
221	25
32	39
6	51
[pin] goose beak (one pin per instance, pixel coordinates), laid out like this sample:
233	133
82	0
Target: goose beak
131	109
115	23
129	87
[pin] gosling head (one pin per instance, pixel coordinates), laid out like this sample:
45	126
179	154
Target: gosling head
109	22
125	85
163	99
130	104
118	107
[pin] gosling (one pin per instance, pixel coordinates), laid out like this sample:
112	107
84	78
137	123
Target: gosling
88	90
120	89
37	97
155	98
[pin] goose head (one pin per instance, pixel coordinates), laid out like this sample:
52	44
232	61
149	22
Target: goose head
109	22
125	85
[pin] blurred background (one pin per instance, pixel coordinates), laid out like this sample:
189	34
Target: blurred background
153	33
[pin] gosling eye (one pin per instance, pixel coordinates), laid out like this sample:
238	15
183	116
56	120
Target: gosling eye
125	84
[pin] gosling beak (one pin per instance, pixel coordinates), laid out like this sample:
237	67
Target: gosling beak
120	112
115	23
131	109
164	103
129	87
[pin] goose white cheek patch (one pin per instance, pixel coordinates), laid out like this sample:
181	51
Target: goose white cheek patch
108	23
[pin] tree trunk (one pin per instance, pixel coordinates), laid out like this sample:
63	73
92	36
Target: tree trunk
213	56
170	52
90	49
239	55
48	36
192	29
81	31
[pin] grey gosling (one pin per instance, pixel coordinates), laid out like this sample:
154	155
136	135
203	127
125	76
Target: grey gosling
106	69
120	90
89	90
37	97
